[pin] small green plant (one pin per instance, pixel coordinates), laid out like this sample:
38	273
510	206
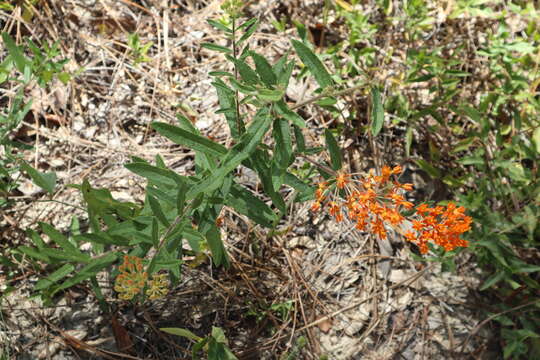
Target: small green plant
215	345
138	50
22	70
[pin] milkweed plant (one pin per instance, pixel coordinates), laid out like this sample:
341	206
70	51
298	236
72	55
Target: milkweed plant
142	246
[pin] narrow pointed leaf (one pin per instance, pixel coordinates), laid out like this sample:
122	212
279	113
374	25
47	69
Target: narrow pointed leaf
377	112
333	148
215	47
313	63
249	205
246	72
250	30
193	141
15	52
46	181
95	265
283	110
241	151
219	26
219	255
283	142
264	69
54	277
157	210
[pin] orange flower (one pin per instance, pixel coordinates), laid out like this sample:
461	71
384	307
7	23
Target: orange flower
342	180
378	204
422	208
407	187
410	236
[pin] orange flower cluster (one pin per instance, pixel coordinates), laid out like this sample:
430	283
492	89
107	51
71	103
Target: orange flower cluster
375	201
132	280
440	225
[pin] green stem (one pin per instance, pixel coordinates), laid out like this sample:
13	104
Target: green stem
237	94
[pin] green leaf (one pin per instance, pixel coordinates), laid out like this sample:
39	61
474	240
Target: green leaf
377	111
219	255
430	169
186	138
299	139
247	23
54	277
283	143
264	69
46	181
158	211
249	205
38	241
252	26
285	76
536	139
15	52
327	102
195	239
492	280
155	233
182	332
64	77
219	26
333	148
269	95
227	100
95	265
58	238
34	253
283	110
104	238
313	63
65	256
408	141
305	192
215	47
181	198
246	72
157	175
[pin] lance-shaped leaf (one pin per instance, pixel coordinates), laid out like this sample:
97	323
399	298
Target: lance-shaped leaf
264	69
219	255
227	101
252	26
283	110
189	139
46	181
160	177
215	47
283	146
377	112
314	65
249	205
219	26
246	72
96	265
54	277
333	148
